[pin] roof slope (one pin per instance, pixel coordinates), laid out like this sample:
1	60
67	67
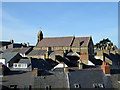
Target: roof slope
4	43
86	78
37	52
40	64
62	41
85	41
22	50
55	79
55	41
8	56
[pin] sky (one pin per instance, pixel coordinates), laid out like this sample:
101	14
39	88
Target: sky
21	21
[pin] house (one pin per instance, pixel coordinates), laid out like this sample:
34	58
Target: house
8	45
23	64
4	45
89	78
9	58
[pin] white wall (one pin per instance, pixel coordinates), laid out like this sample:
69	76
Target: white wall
60	65
3	61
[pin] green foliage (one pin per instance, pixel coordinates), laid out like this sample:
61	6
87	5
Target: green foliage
104	43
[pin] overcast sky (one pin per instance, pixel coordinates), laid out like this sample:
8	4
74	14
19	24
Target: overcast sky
22	21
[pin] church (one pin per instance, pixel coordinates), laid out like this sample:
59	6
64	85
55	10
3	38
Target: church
82	47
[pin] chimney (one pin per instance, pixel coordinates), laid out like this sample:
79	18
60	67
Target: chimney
12	41
2	69
48	49
48	52
7	64
27	44
106	67
35	71
65	70
80	64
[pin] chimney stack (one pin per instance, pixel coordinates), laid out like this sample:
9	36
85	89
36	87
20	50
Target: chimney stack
65	70
12	41
35	71
27	44
80	64
106	67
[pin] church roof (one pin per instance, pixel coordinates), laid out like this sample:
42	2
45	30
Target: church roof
62	41
55	41
83	40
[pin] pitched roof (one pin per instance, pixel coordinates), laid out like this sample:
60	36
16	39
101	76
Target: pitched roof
62	41
86	78
40	64
22	50
20	79
4	43
55	41
37	52
56	79
8	56
83	40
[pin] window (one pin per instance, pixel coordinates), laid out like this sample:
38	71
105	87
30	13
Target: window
13	86
27	87
95	85
77	86
100	85
19	65
47	87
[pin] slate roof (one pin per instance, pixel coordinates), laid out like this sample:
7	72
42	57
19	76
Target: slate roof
8	56
1	52
86	78
37	52
85	41
55	41
19	78
40	64
22	50
55	79
4	43
26	61
62	41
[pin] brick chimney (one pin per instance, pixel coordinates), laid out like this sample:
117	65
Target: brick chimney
106	67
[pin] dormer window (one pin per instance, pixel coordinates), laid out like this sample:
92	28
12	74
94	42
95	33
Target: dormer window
95	85
77	85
